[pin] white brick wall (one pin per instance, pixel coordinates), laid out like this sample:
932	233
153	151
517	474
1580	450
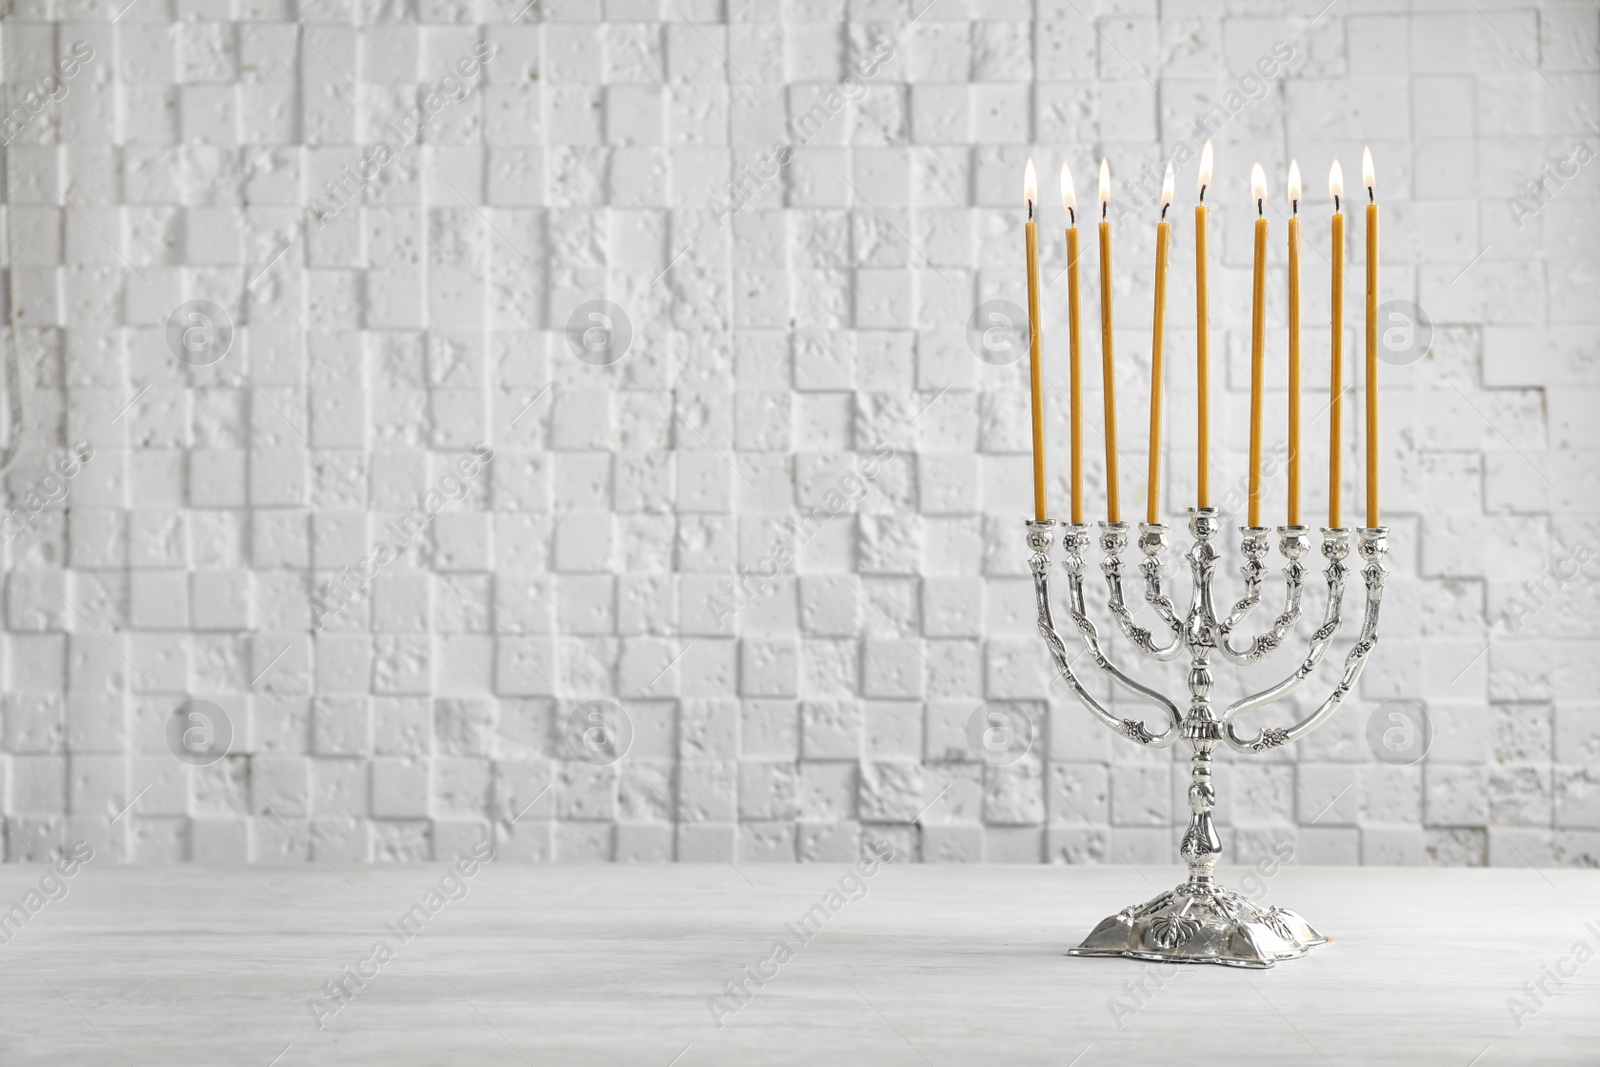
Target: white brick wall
770	357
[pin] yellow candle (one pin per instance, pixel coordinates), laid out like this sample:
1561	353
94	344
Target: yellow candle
1294	343
1069	200
1369	179
1202	332
1258	310
1336	366
1113	509
1157	329
1030	190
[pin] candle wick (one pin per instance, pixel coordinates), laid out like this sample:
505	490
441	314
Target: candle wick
1296	204
1164	211
1202	194
1072	216
1102	211
1370	198
1030	210
1259	209
1335	203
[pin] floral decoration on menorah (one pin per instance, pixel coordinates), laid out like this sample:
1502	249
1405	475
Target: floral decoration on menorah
1200	921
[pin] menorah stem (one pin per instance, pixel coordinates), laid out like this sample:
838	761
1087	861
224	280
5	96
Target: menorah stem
1201	847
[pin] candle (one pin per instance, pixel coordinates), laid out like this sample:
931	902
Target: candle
1294	343
1157	328
1202	332
1030	190
1336	366
1370	180
1113	509
1258	311
1069	200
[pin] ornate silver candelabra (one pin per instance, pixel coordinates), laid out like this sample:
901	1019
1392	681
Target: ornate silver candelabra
1200	921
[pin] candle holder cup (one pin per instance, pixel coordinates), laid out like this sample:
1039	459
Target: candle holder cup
1200	921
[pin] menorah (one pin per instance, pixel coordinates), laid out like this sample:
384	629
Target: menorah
1200	921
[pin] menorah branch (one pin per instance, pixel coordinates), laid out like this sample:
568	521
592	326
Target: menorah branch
1292	544
1041	538
1153	543
1374	546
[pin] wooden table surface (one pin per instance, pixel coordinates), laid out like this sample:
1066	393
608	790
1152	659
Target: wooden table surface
920	965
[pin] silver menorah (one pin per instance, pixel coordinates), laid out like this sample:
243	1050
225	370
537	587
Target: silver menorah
1200	921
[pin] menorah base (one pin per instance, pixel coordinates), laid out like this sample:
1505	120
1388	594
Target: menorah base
1202	923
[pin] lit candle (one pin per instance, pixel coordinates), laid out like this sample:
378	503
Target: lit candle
1336	366
1258	312
1202	331
1030	190
1113	509
1069	200
1294	343
1370	180
1157	329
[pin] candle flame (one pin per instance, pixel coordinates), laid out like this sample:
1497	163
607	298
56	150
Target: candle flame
1069	195
1030	185
1369	177
1105	182
1205	169
1294	184
1166	187
1336	181
1258	183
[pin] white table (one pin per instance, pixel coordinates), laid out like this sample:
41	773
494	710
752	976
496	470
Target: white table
934	965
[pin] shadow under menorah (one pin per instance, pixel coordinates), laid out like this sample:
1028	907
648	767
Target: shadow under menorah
1201	921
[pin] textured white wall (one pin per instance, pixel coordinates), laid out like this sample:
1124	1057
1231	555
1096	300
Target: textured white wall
813	327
